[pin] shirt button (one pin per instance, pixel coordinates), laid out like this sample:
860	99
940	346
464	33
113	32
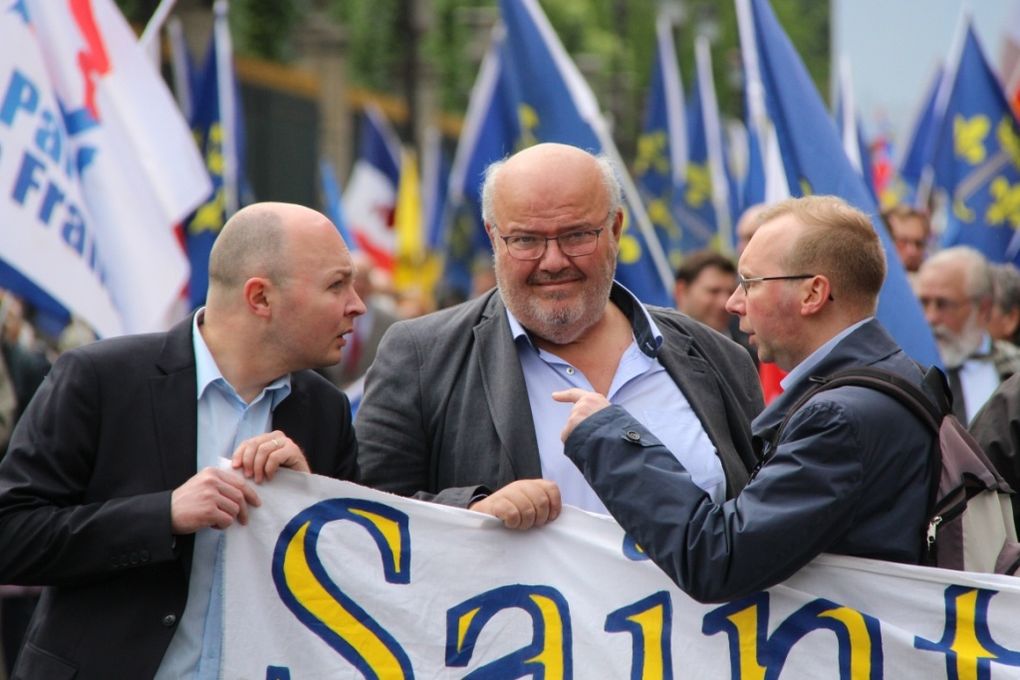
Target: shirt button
570	370
169	620
633	436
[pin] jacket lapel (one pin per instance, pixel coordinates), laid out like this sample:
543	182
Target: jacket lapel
503	381
174	401
698	382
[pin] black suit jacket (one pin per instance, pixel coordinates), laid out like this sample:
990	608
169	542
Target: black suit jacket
446	409
85	498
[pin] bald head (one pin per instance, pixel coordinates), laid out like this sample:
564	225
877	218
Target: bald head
547	173
257	242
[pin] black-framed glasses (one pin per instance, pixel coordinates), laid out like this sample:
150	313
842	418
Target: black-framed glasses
746	283
572	244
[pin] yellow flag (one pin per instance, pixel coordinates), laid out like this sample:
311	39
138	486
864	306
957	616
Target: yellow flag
415	270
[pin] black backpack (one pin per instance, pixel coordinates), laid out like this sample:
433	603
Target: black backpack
970	517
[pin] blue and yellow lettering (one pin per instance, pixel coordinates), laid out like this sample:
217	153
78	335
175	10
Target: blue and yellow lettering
649	622
967	641
49	138
756	656
27	179
21	94
315	599
632	551
547	657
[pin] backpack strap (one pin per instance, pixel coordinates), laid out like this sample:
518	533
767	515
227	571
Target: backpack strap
929	412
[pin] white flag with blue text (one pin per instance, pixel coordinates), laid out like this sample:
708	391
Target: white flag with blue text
96	165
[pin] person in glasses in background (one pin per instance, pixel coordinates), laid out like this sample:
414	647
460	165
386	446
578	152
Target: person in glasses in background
458	406
848	474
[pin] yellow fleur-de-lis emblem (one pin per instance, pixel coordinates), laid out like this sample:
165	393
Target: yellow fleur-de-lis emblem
651	155
528	118
660	215
699	185
209	216
969	137
1005	206
1006	133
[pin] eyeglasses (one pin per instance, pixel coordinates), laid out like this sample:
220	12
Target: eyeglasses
746	283
572	244
942	304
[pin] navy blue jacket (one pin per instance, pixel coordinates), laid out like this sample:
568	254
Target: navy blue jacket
850	475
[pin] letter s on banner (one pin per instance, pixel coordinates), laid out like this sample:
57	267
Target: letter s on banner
316	600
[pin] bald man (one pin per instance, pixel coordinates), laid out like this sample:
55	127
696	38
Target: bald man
458	405
110	494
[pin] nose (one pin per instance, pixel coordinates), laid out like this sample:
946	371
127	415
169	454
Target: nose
553	259
735	303
356	307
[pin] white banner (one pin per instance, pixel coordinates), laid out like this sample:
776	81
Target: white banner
333	580
96	164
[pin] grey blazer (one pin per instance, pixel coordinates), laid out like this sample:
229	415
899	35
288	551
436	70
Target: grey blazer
445	415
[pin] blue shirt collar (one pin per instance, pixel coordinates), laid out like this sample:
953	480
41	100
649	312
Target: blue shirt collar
646	333
208	373
813	359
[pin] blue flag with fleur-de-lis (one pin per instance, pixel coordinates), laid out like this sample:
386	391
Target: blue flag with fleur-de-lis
693	202
977	160
662	147
555	104
814	162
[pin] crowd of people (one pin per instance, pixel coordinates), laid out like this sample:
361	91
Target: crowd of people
557	386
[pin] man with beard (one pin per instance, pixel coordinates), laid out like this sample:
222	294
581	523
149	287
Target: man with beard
955	288
458	406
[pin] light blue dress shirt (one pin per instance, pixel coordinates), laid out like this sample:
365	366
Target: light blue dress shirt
804	368
224	421
979	378
641	385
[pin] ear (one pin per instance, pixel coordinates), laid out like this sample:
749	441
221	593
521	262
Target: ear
1012	319
617	228
258	294
815	295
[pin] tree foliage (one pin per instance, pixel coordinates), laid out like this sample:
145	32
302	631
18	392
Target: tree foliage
612	41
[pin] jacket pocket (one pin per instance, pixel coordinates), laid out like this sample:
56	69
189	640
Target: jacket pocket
38	664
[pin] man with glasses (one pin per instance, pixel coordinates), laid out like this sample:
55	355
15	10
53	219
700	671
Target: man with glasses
849	473
458	404
955	287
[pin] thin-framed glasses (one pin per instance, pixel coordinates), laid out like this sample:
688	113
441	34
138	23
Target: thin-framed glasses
942	304
746	283
572	244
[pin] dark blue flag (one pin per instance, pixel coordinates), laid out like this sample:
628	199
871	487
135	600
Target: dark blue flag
815	163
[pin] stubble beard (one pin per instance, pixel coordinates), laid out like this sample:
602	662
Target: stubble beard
557	317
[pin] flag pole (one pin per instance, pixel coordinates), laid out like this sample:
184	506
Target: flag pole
155	23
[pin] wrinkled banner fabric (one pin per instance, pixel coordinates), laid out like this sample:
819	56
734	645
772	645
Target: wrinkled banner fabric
333	580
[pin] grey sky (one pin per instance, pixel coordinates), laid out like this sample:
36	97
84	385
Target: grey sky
894	47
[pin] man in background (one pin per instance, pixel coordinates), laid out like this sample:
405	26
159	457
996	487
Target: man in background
910	229
956	290
704	281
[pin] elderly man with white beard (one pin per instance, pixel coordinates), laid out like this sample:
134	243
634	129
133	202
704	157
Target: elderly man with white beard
955	289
